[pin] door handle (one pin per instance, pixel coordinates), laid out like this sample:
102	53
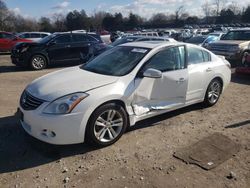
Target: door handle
208	69
181	80
67	46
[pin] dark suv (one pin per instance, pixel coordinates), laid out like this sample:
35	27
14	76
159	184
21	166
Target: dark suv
58	48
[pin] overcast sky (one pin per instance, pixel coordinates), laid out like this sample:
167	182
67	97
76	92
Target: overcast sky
145	8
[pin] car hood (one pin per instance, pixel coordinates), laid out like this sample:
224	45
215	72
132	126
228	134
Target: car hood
230	42
67	81
26	44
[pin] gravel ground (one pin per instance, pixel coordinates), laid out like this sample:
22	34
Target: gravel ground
143	157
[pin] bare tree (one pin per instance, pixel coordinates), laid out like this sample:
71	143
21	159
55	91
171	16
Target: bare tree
235	8
218	6
207	9
178	12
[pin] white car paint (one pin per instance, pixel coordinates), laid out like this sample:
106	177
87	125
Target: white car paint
143	97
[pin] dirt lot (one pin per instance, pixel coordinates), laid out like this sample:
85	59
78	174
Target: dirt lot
143	157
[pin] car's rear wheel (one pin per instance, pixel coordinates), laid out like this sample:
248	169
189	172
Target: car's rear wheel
106	125
38	62
213	93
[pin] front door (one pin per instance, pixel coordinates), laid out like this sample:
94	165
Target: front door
167	92
59	50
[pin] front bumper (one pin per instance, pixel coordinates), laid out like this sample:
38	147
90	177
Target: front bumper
53	129
19	59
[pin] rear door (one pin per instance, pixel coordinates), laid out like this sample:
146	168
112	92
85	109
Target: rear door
166	92
60	49
80	47
200	71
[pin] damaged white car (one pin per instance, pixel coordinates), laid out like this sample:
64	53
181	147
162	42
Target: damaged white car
96	102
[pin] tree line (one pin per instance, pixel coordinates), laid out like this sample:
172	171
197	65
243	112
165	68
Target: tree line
215	13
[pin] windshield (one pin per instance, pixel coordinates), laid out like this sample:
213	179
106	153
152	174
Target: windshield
237	35
118	61
123	41
196	40
211	39
46	39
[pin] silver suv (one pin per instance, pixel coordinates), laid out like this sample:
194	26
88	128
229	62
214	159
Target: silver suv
233	45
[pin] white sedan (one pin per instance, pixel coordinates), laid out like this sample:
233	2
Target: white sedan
96	102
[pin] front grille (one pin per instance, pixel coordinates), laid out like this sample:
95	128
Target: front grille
29	102
220	47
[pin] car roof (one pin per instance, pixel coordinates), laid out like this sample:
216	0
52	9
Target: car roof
241	29
150	44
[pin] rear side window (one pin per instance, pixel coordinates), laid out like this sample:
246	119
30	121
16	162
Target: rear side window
35	35
63	39
206	56
79	38
92	39
196	56
6	36
43	35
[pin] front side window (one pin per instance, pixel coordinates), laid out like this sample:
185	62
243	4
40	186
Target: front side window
62	39
169	59
118	61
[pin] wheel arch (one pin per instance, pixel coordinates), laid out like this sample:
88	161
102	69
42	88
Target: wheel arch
41	54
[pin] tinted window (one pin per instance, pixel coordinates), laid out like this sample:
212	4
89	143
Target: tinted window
237	35
92	39
35	35
6	36
196	56
43	35
168	59
63	39
79	38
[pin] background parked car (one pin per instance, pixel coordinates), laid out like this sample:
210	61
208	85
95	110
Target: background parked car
198	40
57	48
140	38
8	40
34	36
233	45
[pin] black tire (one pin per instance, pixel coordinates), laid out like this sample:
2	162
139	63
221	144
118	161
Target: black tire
38	62
208	101
91	130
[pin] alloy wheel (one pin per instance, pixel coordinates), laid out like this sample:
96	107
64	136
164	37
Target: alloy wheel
38	62
214	92
108	126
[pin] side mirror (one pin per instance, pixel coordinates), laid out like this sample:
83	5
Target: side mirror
152	73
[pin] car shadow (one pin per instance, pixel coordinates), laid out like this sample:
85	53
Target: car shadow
19	151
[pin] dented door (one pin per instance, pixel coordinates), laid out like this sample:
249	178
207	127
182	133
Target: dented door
167	92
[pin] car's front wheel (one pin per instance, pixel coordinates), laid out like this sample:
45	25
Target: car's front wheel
106	125
213	93
38	62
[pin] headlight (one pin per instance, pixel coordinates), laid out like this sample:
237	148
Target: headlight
66	104
24	49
